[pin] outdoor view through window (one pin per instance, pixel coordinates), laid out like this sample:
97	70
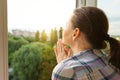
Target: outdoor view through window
33	29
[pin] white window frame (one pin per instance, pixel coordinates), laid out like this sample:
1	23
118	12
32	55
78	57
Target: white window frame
3	41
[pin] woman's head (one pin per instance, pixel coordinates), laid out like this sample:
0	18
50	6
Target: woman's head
93	23
90	25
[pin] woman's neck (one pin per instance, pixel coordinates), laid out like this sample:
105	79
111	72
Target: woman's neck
78	47
79	50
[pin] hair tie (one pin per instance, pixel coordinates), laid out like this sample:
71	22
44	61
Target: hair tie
107	37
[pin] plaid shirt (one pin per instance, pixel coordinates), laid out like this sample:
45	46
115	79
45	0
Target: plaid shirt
87	65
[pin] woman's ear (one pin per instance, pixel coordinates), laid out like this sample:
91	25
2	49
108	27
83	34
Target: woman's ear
76	33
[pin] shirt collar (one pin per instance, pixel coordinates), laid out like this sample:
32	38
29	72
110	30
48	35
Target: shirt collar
80	53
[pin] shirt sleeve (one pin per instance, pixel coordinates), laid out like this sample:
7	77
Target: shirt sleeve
62	72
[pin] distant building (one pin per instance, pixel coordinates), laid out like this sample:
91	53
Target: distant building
21	33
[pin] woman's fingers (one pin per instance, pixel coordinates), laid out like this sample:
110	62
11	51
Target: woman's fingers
59	46
70	53
55	50
61	51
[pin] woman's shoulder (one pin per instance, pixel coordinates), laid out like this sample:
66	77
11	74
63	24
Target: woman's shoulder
78	66
67	69
81	63
77	61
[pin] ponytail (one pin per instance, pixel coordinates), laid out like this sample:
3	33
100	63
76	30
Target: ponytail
114	52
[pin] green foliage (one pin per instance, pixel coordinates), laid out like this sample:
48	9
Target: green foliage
60	33
48	63
26	62
10	35
34	61
14	43
53	36
29	39
37	36
43	36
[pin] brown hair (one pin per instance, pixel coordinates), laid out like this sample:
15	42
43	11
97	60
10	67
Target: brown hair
94	24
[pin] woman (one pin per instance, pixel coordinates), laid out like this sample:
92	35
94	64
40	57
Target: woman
86	34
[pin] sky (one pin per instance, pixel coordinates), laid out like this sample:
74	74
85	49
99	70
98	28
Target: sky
111	8
33	15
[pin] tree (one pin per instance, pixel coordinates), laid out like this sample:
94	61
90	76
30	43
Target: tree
14	43
48	62
26	62
60	33
30	39
37	36
43	36
34	61
53	36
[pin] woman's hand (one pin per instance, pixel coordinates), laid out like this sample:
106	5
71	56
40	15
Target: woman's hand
61	51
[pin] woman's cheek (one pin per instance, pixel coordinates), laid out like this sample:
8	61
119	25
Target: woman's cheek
66	38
